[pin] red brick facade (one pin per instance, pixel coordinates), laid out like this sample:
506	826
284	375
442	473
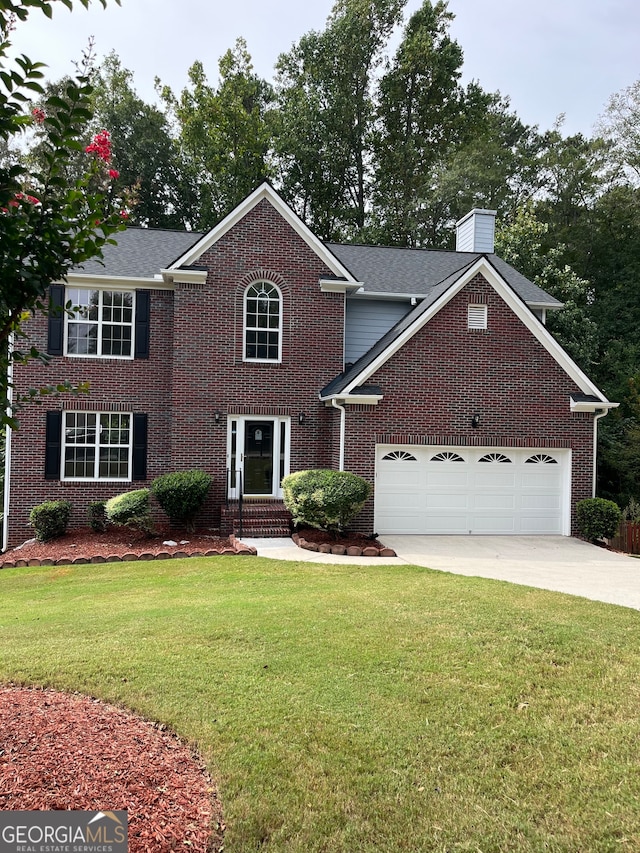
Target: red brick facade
195	369
447	373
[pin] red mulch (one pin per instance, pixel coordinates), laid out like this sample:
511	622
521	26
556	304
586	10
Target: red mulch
116	542
61	751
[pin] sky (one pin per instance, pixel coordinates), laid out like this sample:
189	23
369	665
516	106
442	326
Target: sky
550	57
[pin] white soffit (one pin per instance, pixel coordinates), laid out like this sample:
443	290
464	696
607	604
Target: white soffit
264	191
519	308
115	282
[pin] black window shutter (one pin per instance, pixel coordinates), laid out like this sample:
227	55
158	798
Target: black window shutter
139	447
142	324
53	446
56	319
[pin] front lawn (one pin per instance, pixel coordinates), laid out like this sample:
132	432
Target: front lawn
358	709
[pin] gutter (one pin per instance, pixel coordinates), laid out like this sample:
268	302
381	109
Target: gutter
7	452
596	418
343	416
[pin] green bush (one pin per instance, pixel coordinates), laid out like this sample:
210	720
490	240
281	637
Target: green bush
131	509
97	513
182	494
597	518
325	499
50	519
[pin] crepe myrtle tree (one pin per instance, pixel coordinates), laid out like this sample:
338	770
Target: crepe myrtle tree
47	224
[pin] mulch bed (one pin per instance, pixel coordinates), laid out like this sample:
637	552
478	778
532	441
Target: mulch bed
61	751
119	543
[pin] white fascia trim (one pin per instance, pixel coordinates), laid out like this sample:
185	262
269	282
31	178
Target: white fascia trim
384	294
591	406
264	191
172	276
353	399
329	285
115	282
519	308
549	306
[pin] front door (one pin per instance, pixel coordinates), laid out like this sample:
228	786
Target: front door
257	456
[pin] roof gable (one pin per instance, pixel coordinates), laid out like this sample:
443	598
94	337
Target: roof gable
439	296
264	192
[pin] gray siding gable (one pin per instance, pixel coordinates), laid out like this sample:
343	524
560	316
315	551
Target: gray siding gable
368	320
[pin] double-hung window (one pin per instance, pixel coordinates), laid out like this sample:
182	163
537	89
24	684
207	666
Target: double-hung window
262	322
102	322
96	446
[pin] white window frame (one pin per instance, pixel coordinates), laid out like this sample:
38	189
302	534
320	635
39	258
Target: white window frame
100	322
97	446
476	317
246	329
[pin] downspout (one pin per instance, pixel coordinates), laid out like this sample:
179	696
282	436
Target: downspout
7	452
343	415
596	418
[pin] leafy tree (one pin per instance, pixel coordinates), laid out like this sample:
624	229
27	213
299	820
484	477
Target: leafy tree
419	115
620	124
520	243
148	157
48	225
493	165
224	133
326	110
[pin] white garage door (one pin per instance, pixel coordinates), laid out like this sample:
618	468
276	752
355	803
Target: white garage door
472	490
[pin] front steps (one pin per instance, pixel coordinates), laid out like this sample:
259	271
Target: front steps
260	519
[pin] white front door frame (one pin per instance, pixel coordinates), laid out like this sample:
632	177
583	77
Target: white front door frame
239	437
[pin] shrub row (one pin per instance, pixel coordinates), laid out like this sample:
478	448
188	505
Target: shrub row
181	496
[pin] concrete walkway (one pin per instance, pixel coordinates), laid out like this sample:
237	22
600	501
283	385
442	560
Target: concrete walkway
557	563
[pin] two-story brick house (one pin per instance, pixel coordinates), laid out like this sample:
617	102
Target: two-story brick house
256	350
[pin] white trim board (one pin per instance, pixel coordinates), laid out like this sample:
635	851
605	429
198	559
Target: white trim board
264	192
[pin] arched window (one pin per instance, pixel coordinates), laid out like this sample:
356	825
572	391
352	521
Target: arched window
399	456
262	322
447	456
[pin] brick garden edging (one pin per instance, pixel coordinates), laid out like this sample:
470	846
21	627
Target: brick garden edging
239	549
342	550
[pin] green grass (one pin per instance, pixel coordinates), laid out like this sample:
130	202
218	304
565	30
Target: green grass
354	709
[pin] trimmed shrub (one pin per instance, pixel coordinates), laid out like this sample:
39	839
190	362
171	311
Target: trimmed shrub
50	519
182	494
131	509
97	514
597	518
325	499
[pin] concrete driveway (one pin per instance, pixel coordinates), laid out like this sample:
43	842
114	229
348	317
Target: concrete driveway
557	563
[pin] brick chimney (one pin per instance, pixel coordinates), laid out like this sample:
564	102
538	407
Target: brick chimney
475	232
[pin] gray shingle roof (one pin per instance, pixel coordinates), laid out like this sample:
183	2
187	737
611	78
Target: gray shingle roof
384	269
342	381
141	252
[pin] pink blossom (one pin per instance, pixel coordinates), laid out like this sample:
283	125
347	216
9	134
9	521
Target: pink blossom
38	115
114	173
124	214
101	146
